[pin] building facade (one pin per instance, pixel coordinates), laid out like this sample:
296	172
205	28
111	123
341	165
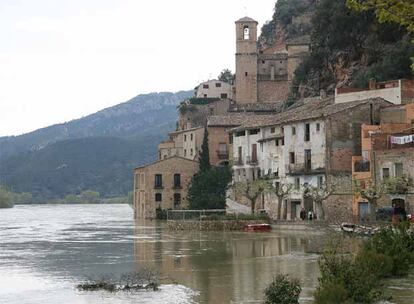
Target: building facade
214	89
307	145
162	185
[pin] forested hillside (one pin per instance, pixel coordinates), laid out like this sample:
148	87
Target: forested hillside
97	152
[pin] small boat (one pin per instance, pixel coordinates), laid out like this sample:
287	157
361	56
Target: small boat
346	227
257	227
358	229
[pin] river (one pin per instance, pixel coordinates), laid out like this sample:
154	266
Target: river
46	250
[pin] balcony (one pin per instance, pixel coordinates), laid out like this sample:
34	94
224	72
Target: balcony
238	161
303	169
251	160
362	166
221	154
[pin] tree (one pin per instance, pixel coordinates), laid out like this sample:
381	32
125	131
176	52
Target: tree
208	189
397	11
282	290
282	191
5	198
251	190
371	192
204	157
90	197
226	76
72	199
319	195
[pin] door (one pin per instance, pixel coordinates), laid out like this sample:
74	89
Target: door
254	153
363	208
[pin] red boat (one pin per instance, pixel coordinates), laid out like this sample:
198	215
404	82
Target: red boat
257	227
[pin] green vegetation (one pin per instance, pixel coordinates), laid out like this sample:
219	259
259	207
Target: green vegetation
400	12
5	198
226	76
283	290
350	47
208	187
358	279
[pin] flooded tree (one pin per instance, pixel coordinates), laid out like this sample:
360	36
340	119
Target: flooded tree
251	190
282	191
319	194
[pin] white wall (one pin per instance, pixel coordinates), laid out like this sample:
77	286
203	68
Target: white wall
392	95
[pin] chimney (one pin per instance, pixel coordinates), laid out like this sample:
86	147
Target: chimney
372	84
322	94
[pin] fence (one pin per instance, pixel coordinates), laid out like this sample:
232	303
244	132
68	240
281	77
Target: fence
192	215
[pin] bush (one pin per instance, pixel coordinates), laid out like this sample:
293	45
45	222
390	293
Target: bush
5	198
332	293
282	291
160	214
397	244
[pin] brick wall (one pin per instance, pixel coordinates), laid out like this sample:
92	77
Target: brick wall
272	91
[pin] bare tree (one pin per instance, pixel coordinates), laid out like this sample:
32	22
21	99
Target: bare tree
282	191
251	190
319	195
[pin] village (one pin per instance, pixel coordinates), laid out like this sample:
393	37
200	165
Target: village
338	158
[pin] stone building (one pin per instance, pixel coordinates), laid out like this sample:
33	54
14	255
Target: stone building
219	140
310	143
162	184
381	159
214	89
184	143
264	75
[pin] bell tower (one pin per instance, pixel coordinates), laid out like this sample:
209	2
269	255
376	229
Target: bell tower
246	60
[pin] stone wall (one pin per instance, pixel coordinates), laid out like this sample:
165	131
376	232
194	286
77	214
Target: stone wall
272	91
212	225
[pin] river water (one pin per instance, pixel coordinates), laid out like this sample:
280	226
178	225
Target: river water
46	250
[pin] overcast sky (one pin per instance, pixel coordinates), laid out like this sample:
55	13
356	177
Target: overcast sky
64	59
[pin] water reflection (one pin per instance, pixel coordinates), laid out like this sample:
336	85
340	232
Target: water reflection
229	266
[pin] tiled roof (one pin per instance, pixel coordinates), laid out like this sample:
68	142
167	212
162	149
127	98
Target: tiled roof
246	19
167	159
307	109
229	120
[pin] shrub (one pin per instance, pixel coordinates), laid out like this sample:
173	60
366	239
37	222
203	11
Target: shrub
282	290
6	198
332	293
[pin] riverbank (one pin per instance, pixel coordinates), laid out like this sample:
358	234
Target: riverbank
219	225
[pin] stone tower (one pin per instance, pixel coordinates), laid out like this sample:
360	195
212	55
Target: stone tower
246	60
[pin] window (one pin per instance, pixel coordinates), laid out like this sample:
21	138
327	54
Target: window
385	173
297	183
254	153
158	181
205	95
320	181
158	197
185	152
272	130
307	132
218	84
223	96
293	131
246	74
254	131
177	200
282	130
246	33
185	137
308	160
241	133
398	169
318	127
205	86
277	142
191	136
263	61
291	157
177	180
283	141
191	152
231	138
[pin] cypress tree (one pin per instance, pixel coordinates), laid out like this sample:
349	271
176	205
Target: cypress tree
204	157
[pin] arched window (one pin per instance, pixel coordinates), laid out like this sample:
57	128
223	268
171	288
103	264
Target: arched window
246	32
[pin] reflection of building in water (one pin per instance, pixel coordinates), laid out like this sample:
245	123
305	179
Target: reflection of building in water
225	267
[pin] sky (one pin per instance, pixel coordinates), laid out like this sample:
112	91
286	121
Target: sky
61	60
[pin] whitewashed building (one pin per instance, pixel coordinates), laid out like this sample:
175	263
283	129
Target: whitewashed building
308	144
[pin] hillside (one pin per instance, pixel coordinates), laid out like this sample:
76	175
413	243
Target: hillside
97	152
347	47
135	117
